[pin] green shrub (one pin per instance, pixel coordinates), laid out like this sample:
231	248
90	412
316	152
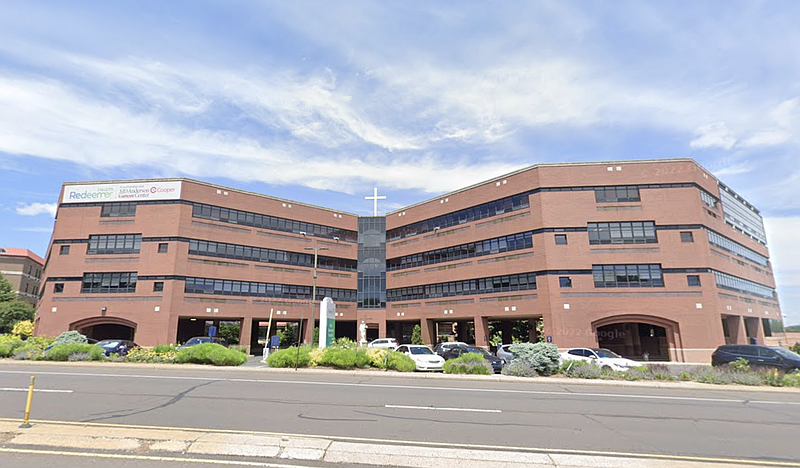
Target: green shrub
791	380
582	370
416	335
469	363
685	376
740	364
23	328
210	353
519	368
746	378
9	343
164	348
795	348
659	372
165	354
344	343
286	357
542	357
28	352
341	358
64	352
400	362
772	377
710	375
70	337
377	357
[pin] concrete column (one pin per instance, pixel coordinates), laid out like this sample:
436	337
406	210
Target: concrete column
398	331
482	331
381	328
753	324
428	331
245	330
308	332
533	336
506	328
736	327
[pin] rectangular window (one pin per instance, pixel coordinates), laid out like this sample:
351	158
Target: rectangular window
63	250
687	236
58	288
158	286
564	282
693	280
114	244
118	210
561	239
616	194
163	247
627	276
631	232
123	282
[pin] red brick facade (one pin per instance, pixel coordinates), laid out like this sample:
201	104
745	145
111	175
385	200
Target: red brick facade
686	322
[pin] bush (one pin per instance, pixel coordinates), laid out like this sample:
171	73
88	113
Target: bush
13	312
377	357
416	335
795	348
772	377
344	343
341	358
740	364
542	357
286	357
315	354
400	362
241	348
710	375
65	352
9	343
210	353
581	370
469	363
70	337
164	354
519	368
659	372
23	329
791	380
745	378
28	352
685	377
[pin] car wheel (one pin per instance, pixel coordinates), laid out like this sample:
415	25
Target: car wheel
606	368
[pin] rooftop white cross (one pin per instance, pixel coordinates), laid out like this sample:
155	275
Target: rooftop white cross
375	198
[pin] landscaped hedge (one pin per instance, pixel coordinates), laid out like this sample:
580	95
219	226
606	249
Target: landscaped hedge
542	358
288	356
342	355
210	353
469	363
74	352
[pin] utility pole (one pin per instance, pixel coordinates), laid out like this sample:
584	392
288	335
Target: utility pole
314	289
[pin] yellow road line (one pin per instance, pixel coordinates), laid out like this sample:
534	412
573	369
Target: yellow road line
755	462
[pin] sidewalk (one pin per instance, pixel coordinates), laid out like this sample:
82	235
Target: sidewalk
141	441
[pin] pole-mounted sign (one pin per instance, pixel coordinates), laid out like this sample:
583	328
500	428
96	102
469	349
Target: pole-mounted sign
327	323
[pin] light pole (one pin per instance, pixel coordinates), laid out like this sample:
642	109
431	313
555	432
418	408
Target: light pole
313	290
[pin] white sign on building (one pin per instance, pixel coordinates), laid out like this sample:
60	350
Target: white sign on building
130	191
327	323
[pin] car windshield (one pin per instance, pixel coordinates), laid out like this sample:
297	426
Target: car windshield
195	341
479	351
785	353
606	353
420	350
108	343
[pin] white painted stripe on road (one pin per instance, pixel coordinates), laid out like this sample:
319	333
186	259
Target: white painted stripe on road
434	408
36	390
420	387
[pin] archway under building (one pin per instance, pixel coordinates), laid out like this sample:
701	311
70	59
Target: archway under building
105	328
638	337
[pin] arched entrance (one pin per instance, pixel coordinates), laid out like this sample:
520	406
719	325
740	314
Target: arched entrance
105	328
638	337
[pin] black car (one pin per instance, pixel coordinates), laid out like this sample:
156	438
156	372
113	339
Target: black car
757	356
204	339
456	351
120	347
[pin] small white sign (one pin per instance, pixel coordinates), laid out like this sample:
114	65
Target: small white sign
135	191
327	323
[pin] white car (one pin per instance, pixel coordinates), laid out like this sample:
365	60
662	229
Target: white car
601	357
384	343
423	357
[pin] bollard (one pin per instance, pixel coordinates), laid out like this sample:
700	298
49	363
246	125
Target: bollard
25	423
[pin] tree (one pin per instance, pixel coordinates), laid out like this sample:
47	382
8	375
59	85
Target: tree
12	312
6	290
230	332
416	335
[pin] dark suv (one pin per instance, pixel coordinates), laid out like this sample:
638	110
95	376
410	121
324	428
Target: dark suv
757	356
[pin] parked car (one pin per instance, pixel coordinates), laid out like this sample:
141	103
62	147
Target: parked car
442	347
383	343
504	353
203	339
88	341
603	358
120	347
423	357
456	351
757	356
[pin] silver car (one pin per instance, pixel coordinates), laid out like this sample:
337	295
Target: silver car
384	343
504	353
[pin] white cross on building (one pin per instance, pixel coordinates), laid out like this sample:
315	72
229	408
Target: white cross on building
375	198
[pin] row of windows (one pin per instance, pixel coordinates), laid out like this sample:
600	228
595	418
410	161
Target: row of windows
708	199
735	248
627	276
254	289
617	194
257	254
486	210
520	282
114	244
509	243
727	281
636	232
118	210
274	223
742	216
117	282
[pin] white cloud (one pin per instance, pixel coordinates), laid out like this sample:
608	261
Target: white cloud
35	209
713	135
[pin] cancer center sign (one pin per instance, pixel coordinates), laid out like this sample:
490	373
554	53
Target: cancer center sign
136	191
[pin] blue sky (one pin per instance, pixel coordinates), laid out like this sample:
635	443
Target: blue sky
320	101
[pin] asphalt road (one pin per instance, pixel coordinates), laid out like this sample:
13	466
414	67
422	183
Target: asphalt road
712	423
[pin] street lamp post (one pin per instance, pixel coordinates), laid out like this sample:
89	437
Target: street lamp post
314	290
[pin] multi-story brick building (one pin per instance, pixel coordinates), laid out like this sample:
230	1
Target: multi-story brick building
23	269
648	258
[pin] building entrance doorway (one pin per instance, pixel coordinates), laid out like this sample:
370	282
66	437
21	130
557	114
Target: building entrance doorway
106	328
639	341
